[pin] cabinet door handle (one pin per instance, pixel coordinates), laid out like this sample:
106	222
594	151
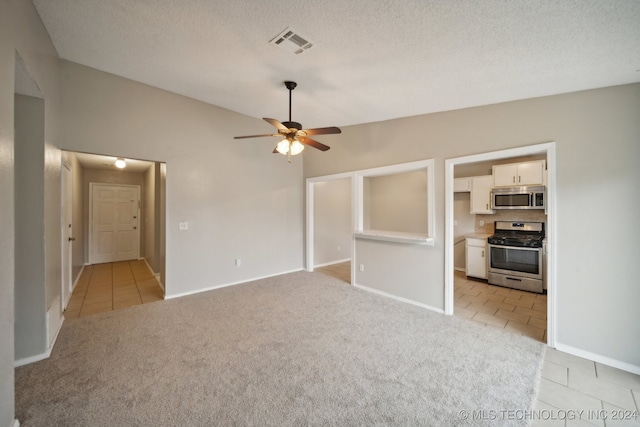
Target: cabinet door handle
514	179
483	254
519	179
487	206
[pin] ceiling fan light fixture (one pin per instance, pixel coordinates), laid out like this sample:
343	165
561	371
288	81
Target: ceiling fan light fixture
120	163
289	147
296	148
283	146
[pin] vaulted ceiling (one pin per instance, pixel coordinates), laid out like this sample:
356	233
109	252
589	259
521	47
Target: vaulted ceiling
370	60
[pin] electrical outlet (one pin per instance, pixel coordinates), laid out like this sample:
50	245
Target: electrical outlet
183	226
238	262
361	267
481	223
339	248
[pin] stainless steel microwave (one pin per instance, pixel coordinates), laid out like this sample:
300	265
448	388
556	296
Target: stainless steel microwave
527	197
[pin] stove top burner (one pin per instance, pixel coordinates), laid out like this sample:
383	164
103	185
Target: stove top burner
516	234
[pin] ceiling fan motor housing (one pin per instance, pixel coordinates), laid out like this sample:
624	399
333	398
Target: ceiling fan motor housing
292	125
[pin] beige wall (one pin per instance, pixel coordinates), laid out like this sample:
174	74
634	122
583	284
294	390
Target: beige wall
153	222
21	30
30	322
240	200
596	134
397	202
148	219
332	221
77	247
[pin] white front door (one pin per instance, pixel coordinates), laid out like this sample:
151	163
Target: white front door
67	235
115	231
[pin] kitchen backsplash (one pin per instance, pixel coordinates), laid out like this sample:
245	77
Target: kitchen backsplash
508	215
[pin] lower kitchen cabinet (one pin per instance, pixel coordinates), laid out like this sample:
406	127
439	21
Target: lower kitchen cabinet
477	254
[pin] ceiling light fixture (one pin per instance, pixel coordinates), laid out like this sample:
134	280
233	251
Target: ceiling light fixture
287	147
120	163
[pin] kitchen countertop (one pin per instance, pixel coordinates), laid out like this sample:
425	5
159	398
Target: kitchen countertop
478	235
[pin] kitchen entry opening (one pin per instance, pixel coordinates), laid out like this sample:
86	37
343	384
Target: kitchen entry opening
531	264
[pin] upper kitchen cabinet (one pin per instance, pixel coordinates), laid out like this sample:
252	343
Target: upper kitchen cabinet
481	194
525	173
462	185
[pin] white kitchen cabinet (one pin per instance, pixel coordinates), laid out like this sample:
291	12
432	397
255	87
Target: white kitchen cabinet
461	185
476	251
481	194
524	173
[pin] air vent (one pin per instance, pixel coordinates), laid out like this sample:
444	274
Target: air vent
291	41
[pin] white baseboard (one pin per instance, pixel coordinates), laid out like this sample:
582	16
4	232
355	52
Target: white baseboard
598	358
77	279
156	275
464	270
42	356
340	261
32	359
401	299
184	294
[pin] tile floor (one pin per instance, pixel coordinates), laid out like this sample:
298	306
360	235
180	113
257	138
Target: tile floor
111	286
340	271
573	391
518	311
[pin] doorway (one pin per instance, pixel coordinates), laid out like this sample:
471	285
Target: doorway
114	233
148	206
547	149
329	225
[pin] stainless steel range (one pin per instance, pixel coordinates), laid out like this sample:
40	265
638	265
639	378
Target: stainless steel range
516	256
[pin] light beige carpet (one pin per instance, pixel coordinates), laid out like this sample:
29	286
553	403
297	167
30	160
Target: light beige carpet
298	349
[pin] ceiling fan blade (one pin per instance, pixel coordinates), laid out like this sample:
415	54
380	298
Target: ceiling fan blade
255	136
322	131
277	124
313	143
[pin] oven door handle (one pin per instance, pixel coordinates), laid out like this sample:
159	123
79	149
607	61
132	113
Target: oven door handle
519	248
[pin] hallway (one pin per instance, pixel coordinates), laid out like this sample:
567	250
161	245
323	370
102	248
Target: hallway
112	286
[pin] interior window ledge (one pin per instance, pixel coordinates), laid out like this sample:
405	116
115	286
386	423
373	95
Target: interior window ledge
395	236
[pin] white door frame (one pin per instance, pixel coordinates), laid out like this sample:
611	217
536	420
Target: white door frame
311	182
549	149
91	189
67	235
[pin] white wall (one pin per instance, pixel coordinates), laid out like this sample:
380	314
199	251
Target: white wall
597	134
332	221
240	200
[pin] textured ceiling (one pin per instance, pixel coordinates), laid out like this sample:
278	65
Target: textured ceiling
371	60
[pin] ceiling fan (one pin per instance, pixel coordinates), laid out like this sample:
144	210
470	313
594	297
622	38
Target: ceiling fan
294	138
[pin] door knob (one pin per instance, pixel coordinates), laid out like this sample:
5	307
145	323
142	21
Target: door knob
135	228
72	239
